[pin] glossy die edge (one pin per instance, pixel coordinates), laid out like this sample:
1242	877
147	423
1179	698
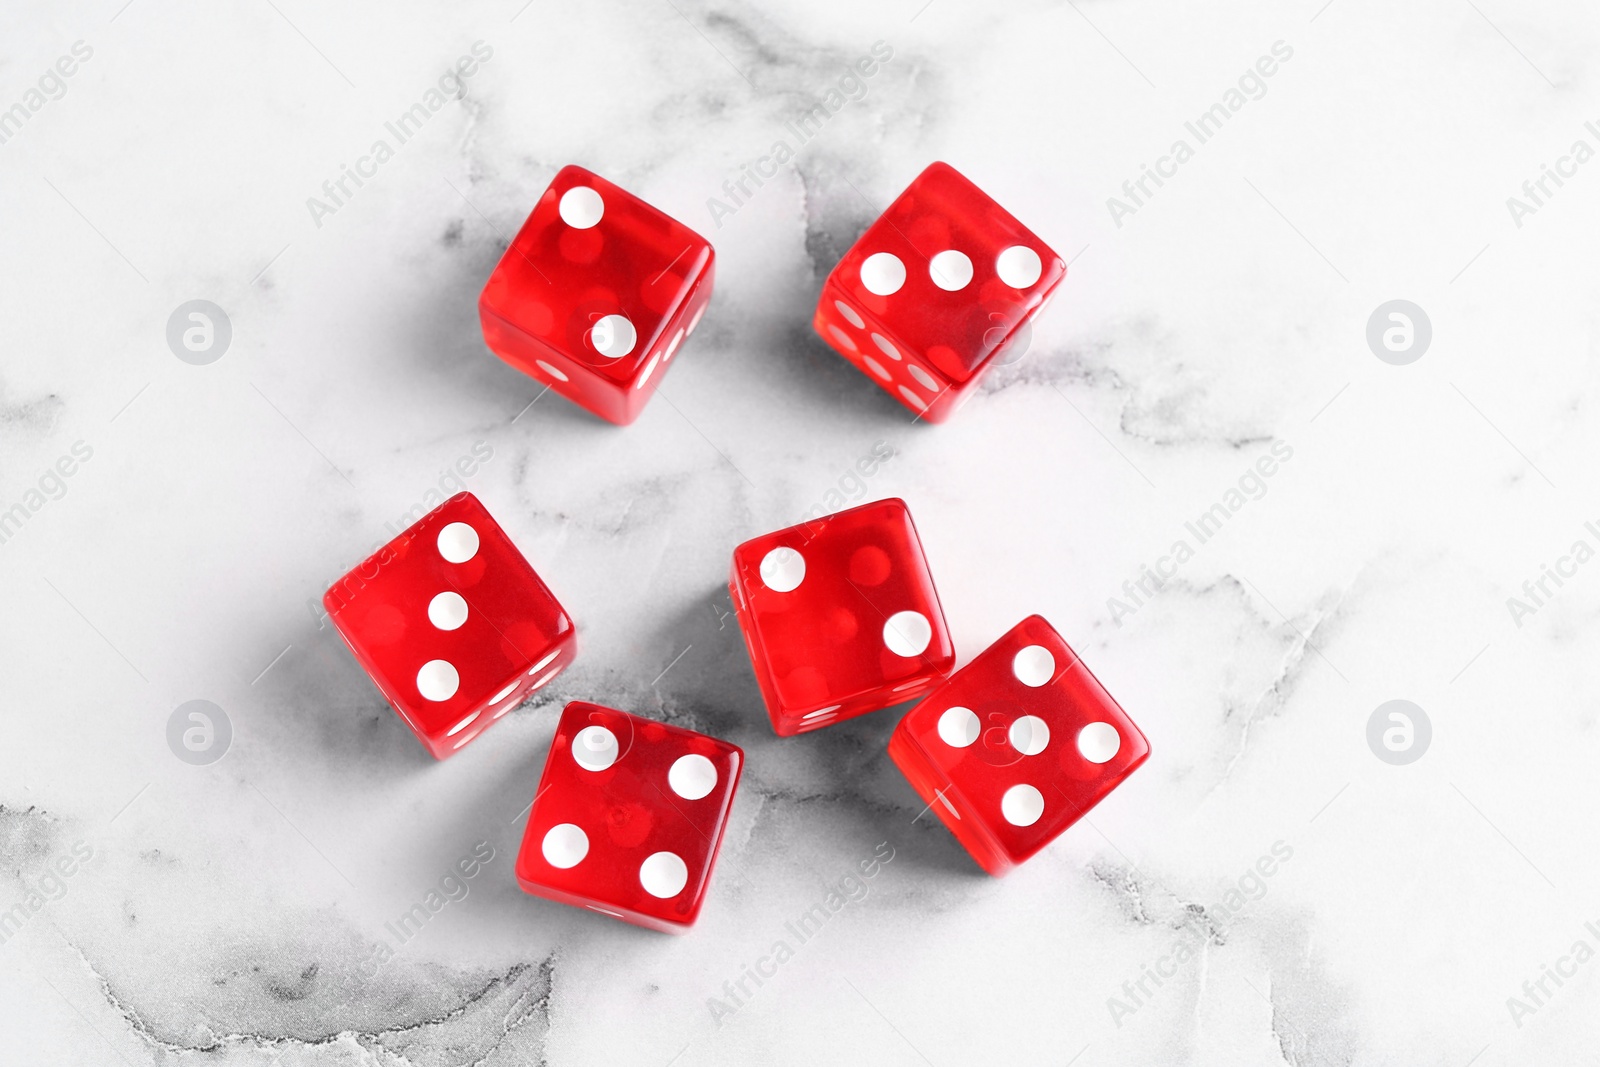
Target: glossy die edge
523	681
942	795
714	853
532	355
744	617
342	593
673	336
944	666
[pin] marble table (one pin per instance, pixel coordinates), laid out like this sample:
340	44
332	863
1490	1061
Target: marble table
1244	191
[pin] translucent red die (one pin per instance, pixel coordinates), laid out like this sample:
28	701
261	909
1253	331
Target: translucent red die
1017	746
936	291
452	624
840	615
596	294
629	817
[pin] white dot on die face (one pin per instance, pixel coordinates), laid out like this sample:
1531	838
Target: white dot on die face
649	369
913	399
883	343
842	337
1018	266
498	697
924	379
613	336
552	371
594	748
1029	735
1098	742
463	724
438	680
565	845
663	875
958	727
447	611
950	270
876	368
820	712
850	313
782	570
907	633
883	273
677	339
581	207
543	680
697	316
1022	805
692	776
1034	666
537	667
458	542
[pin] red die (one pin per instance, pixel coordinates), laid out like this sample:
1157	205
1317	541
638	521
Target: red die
840	615
596	293
629	817
452	624
939	285
1017	746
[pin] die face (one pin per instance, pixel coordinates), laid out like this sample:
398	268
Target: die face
1017	746
629	817
452	624
596	294
891	364
946	276
840	615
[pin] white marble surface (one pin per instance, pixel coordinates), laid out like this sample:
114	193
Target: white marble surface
228	913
